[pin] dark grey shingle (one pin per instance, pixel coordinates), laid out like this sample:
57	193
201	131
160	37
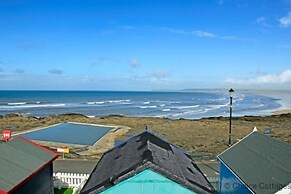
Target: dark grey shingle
146	151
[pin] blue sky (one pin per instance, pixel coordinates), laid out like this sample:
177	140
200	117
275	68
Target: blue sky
145	45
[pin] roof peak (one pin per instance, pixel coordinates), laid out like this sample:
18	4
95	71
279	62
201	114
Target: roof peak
256	153
147	134
146	150
255	129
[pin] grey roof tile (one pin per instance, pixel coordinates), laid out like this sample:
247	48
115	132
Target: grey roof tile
146	151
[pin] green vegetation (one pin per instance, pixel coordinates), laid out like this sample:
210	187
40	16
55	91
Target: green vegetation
64	191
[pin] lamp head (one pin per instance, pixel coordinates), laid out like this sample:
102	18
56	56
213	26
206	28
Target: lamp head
231	92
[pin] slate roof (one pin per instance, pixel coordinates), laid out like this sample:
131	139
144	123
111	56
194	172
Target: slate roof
19	160
260	160
146	151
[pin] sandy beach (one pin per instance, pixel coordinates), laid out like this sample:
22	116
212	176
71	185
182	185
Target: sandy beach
283	96
207	136
282	111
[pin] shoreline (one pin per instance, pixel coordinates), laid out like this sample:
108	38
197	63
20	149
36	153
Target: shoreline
283	97
281	111
278	111
280	100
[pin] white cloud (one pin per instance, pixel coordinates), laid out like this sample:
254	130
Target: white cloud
280	78
200	33
134	63
19	71
26	81
175	31
30	45
286	20
127	27
204	34
159	75
230	37
263	21
56	71
152	79
283	46
105	61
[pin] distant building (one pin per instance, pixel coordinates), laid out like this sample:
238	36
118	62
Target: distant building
146	164
256	164
25	168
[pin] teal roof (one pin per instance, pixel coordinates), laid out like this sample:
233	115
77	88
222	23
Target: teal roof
148	181
19	159
261	162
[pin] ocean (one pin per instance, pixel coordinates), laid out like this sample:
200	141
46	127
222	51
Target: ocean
188	105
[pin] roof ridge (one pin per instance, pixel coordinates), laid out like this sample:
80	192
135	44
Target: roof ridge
146	150
134	136
163	139
218	156
38	145
19	150
149	132
264	152
274	139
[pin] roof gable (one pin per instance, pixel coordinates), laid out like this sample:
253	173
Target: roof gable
146	151
19	159
259	159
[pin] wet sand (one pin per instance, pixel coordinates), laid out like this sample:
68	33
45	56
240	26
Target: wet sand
283	111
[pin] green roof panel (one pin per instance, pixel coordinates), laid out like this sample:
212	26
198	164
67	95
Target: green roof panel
20	158
261	162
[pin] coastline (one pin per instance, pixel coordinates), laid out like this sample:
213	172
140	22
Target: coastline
283	97
200	137
189	105
281	111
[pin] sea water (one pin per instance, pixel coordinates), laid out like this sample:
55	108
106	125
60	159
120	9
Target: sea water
175	105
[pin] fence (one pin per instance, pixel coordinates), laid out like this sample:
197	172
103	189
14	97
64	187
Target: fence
77	181
70	180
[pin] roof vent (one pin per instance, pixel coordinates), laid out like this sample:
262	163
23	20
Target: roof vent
255	129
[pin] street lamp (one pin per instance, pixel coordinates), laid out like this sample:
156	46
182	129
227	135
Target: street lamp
231	92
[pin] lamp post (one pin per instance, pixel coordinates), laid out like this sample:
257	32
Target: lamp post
231	92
